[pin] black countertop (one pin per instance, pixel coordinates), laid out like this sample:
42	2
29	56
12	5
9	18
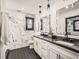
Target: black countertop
73	48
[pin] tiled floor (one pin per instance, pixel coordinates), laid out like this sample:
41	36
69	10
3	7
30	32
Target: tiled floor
23	53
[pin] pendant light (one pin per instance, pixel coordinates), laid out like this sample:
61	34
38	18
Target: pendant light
40	9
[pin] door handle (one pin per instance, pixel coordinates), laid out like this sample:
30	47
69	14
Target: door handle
58	56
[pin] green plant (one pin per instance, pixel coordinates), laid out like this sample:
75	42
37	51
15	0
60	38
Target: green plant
50	33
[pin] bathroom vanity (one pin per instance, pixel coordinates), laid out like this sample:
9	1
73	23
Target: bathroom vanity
48	48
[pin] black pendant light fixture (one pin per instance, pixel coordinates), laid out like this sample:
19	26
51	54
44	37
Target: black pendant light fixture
40	9
48	5
48	8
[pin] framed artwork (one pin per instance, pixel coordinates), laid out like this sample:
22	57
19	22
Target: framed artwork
29	23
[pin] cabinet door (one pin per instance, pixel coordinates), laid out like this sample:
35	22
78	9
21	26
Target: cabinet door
66	57
39	46
44	50
35	45
53	55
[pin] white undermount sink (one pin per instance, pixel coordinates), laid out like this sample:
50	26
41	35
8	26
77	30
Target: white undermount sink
65	43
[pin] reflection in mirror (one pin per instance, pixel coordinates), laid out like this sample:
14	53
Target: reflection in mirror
76	25
44	24
72	25
41	24
63	13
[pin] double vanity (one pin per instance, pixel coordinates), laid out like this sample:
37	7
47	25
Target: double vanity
51	48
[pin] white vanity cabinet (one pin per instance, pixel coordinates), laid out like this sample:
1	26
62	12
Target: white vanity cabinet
37	45
44	49
64	57
53	54
40	46
58	52
47	50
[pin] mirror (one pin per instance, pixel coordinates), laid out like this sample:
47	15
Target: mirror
76	25
41	24
72	25
29	23
44	24
63	13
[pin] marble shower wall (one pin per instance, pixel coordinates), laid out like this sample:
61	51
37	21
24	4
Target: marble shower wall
16	28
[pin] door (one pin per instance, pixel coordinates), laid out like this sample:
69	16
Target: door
63	56
35	44
53	54
39	46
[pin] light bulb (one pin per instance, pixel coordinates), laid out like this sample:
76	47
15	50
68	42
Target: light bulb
22	9
72	5
67	7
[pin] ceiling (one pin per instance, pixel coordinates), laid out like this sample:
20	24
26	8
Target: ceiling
28	5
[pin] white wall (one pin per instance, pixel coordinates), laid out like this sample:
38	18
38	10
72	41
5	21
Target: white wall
15	27
28	5
3	50
14	24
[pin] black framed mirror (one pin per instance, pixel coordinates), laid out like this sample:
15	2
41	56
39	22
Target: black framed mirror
41	24
76	25
44	24
29	23
72	25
